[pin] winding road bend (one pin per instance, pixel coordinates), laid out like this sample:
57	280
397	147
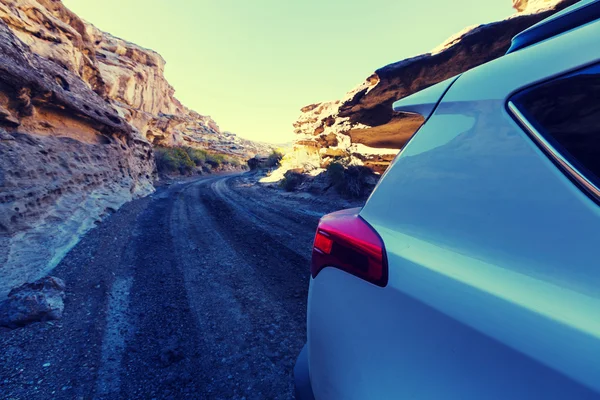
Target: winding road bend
198	291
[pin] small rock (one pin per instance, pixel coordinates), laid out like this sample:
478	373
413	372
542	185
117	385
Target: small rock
5	136
41	300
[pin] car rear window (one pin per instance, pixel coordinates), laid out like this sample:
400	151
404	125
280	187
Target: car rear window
564	114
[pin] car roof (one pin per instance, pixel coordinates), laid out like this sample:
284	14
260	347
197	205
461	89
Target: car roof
497	79
572	17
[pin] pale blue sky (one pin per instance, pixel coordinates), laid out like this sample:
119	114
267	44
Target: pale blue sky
252	65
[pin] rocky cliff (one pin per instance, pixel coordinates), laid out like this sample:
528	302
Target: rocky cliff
534	6
362	128
66	158
130	77
79	112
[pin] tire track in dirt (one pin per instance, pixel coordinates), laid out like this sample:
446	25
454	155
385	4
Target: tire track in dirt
198	291
252	330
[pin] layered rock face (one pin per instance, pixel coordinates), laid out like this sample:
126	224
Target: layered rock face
533	6
130	77
134	82
79	112
66	158
362	128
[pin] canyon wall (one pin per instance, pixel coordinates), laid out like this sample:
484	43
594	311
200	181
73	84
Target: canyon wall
361	128
131	78
79	113
534	6
66	159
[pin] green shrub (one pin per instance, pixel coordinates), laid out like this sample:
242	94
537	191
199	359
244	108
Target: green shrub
274	159
253	163
185	160
215	160
336	174
198	156
173	159
271	161
291	181
235	162
350	182
356	181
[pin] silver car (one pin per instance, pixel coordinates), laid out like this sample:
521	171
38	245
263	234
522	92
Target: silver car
473	270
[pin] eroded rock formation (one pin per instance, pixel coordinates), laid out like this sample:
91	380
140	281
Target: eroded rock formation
362	128
130	77
66	157
533	6
79	112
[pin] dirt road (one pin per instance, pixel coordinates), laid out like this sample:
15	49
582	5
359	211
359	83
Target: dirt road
198	291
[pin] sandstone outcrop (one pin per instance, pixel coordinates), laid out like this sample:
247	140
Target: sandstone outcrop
79	112
66	158
533	6
130	77
362	128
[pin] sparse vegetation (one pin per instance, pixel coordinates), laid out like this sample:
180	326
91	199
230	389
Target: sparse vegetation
215	160
186	160
353	181
357	183
198	156
274	158
291	181
335	173
235	162
271	161
253	163
170	160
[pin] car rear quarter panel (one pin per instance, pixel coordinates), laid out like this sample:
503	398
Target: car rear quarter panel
494	283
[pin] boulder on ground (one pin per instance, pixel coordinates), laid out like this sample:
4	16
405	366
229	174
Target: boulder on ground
41	300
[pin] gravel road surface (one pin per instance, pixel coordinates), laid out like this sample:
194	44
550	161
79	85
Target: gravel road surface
198	291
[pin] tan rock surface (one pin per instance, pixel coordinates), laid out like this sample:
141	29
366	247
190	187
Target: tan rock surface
79	112
129	76
66	159
363	126
533	6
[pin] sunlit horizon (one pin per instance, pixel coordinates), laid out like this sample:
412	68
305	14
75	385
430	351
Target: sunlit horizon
252	66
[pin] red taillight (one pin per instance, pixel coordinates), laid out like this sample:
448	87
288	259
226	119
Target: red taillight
346	241
323	242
